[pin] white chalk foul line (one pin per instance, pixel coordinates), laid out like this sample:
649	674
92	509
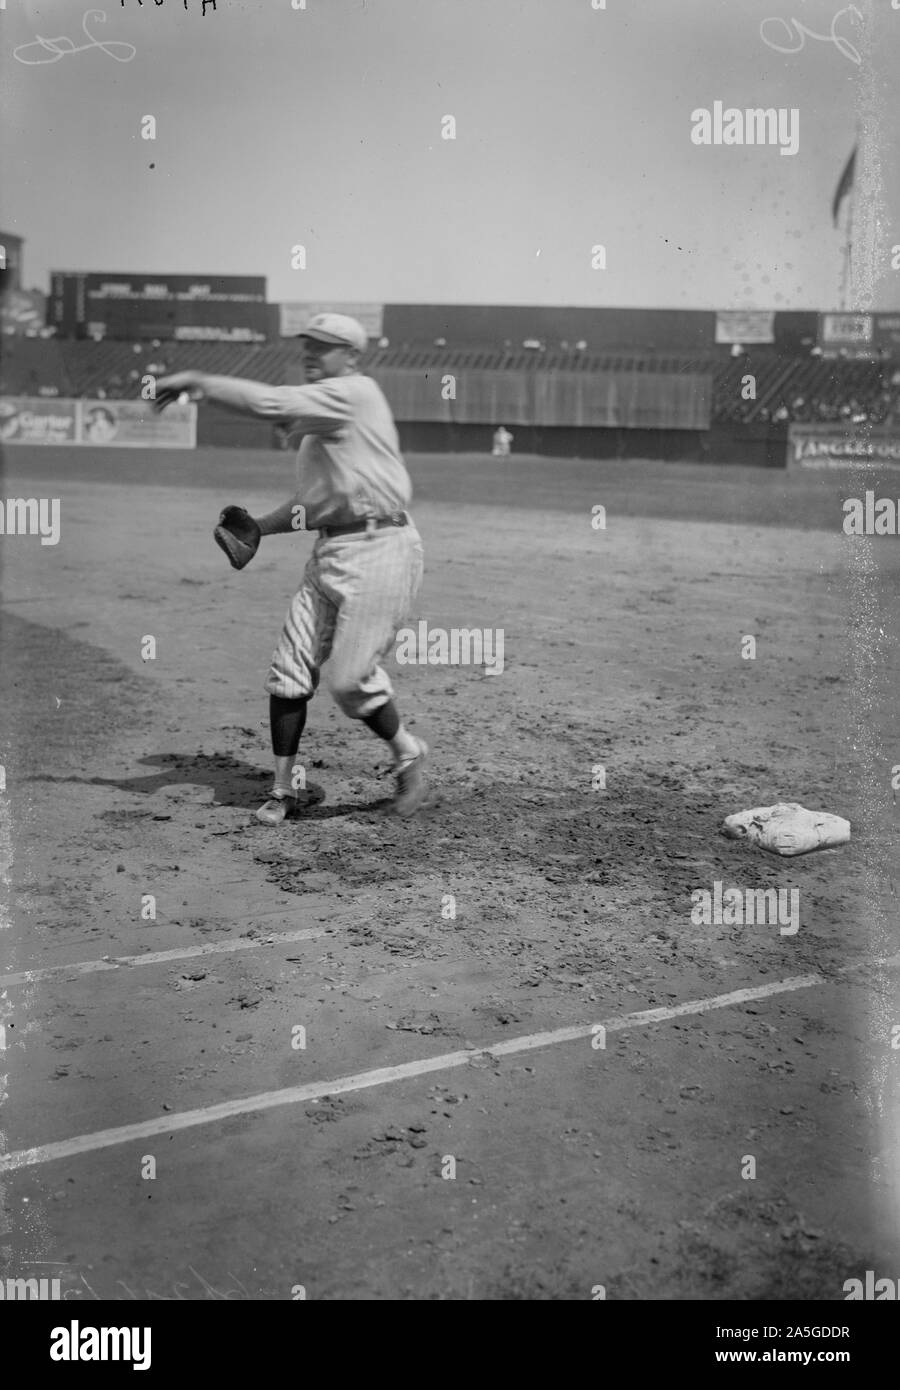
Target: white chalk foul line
293	1095
213	948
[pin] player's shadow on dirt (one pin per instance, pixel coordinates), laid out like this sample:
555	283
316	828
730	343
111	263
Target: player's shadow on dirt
233	782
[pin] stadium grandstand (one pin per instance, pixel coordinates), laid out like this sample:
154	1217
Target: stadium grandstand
799	388
114	370
724	387
806	390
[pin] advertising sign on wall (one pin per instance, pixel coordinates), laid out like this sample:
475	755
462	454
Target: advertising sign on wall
135	424
36	420
842	446
120	424
745	326
846	333
887	333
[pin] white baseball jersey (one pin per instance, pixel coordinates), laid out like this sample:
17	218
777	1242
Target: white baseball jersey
349	465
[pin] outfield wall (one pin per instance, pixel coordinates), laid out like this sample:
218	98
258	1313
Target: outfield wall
469	404
760	446
223	429
133	423
754	446
626	399
57	420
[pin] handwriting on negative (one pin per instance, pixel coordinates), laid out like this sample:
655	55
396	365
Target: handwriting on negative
841	44
42	50
51	50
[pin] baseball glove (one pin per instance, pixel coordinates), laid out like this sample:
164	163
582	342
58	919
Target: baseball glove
238	535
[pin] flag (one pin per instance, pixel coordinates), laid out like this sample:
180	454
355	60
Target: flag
844	186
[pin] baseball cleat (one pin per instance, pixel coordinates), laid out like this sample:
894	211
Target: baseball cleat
278	807
412	786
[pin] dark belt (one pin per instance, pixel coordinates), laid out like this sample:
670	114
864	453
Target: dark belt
372	523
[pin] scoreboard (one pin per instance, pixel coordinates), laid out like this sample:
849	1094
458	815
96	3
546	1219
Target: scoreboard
188	308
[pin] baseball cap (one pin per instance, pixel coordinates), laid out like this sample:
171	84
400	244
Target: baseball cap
339	329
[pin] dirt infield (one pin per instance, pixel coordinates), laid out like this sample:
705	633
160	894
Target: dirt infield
576	1166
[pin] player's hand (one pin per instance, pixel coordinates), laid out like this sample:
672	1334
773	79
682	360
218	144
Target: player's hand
172	388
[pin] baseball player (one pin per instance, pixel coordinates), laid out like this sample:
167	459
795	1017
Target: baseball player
502	440
366	566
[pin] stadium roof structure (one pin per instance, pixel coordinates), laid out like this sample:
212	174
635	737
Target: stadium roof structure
419	357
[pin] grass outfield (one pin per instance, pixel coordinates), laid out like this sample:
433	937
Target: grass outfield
634	487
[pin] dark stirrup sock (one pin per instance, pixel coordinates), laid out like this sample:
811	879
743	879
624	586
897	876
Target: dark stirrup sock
384	722
287	720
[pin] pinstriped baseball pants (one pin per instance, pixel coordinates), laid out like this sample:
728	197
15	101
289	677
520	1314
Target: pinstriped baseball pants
356	592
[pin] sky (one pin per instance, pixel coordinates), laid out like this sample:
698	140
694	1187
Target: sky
321	127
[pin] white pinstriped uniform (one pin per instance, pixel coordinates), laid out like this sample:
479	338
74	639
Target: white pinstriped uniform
357	590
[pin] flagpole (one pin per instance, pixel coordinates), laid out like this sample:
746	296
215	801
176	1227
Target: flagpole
847	304
846	194
849	288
